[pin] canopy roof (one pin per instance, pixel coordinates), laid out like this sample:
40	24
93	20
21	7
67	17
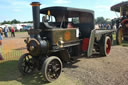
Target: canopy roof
59	10
117	6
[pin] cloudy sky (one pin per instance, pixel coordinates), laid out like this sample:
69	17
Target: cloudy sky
21	9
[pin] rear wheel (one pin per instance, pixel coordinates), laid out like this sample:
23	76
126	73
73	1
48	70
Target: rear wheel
52	68
119	36
105	46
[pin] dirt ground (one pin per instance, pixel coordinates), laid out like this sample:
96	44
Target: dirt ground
110	70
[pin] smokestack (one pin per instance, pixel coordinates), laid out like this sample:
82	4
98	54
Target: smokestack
36	14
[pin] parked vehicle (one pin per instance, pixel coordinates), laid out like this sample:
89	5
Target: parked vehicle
17	27
63	33
27	27
122	21
2	26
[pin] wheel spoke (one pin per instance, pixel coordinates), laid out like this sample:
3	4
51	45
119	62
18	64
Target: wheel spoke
57	69
56	75
24	59
25	67
53	69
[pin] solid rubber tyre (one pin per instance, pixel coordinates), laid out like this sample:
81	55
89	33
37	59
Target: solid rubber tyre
52	68
105	46
26	64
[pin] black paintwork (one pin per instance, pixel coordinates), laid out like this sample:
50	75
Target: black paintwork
57	10
117	6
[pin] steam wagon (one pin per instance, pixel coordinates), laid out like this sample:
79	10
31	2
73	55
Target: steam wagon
122	21
62	33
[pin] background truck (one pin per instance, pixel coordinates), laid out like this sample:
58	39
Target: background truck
122	21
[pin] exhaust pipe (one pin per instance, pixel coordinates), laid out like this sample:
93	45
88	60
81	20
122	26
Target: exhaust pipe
36	14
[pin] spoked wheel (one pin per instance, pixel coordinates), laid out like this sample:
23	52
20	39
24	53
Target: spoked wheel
52	68
119	36
26	64
105	46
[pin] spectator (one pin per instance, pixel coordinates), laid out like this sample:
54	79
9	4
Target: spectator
1	58
6	31
107	26
101	26
104	26
1	31
12	32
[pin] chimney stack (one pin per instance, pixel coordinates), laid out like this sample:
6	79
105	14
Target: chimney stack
36	14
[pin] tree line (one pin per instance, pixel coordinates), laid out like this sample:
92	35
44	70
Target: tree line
98	20
14	21
102	20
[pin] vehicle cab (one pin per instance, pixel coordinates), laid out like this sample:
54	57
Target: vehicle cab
68	19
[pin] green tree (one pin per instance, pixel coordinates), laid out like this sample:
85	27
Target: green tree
28	22
4	22
15	21
100	20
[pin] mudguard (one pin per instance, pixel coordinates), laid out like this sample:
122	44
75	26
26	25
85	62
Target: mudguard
91	43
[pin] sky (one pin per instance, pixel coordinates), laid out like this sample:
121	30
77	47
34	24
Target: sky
22	11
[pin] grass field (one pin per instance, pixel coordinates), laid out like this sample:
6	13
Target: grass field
9	75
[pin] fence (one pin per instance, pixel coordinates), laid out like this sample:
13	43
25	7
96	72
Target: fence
12	48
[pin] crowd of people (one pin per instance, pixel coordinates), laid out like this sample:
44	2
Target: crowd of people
4	32
6	29
104	26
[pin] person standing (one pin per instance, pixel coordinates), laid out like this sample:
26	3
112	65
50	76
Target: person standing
6	31
1	58
12	32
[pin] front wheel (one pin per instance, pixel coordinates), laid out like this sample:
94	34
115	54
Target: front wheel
52	68
105	46
26	64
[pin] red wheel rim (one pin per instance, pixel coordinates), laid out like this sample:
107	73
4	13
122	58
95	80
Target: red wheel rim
108	46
